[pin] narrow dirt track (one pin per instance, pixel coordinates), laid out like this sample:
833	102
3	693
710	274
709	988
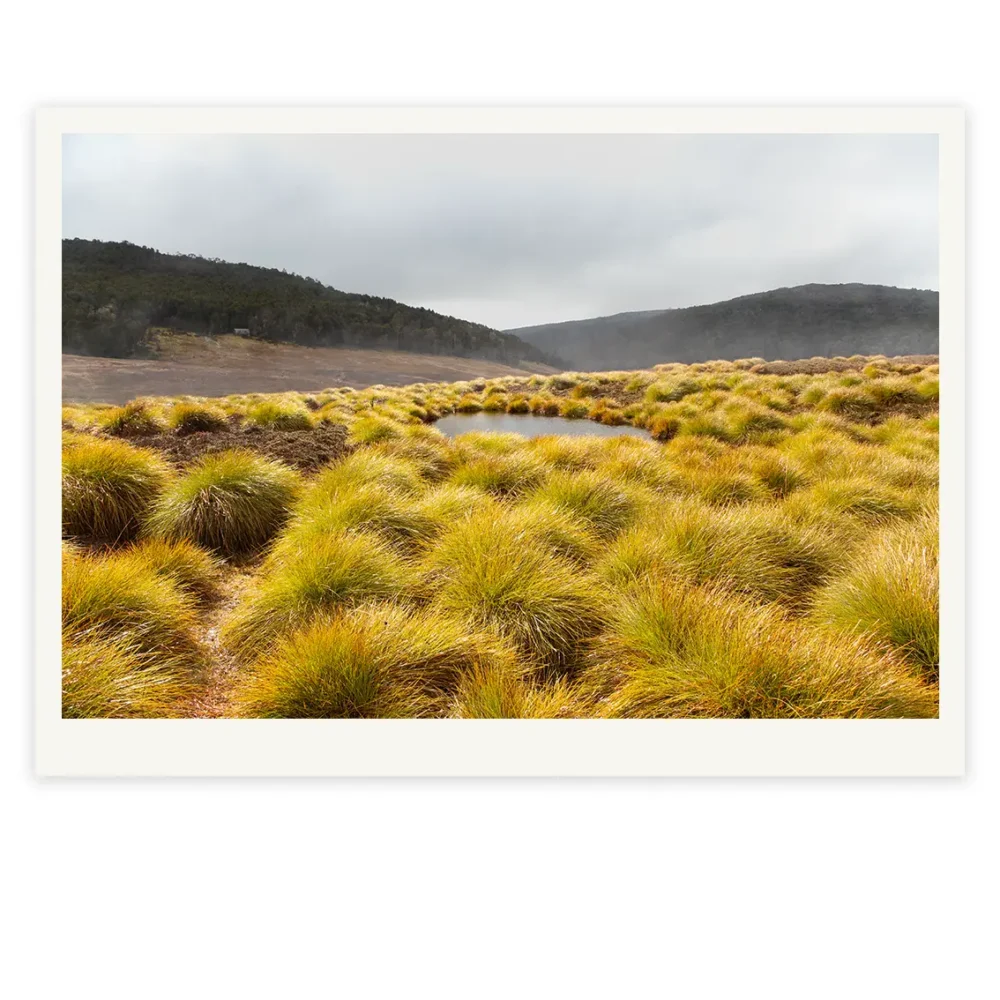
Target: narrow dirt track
222	669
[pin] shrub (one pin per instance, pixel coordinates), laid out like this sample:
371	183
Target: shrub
109	679
598	501
483	572
233	502
673	650
377	661
321	574
890	593
189	418
134	419
277	416
107	488
118	597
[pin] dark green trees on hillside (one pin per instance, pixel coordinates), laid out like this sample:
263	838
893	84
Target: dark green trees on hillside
113	292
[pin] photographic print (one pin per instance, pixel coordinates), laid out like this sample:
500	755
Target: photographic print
496	441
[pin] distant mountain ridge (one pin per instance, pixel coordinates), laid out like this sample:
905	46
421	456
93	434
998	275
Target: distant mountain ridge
796	322
114	292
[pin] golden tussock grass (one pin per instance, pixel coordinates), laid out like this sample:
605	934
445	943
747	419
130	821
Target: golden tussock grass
757	551
190	418
120	597
233	502
108	488
676	651
311	575
767	549
890	593
488	572
379	660
111	679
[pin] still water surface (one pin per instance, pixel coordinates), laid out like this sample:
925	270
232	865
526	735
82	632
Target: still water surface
528	425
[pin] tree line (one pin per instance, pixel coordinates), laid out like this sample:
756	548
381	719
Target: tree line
113	293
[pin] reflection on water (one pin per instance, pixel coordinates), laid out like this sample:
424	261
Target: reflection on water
528	425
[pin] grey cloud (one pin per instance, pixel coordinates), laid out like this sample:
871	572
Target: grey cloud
511	230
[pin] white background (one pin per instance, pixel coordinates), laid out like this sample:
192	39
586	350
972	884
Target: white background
868	888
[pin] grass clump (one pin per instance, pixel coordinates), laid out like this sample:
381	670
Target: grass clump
854	403
674	650
109	679
107	488
278	416
890	594
486	572
190	418
120	598
322	573
574	409
757	551
468	404
604	505
485	692
865	499
193	569
233	502
376	661
507	475
134	419
556	528
392	516
389	471
372	429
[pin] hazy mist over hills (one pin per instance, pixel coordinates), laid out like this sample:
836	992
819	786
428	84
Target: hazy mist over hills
800	322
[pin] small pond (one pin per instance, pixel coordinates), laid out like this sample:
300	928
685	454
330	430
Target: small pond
529	425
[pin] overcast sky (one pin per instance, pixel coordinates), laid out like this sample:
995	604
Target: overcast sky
512	230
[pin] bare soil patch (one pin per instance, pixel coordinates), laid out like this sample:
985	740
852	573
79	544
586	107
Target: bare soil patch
305	449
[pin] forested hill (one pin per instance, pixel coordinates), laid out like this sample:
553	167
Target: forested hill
800	322
113	292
